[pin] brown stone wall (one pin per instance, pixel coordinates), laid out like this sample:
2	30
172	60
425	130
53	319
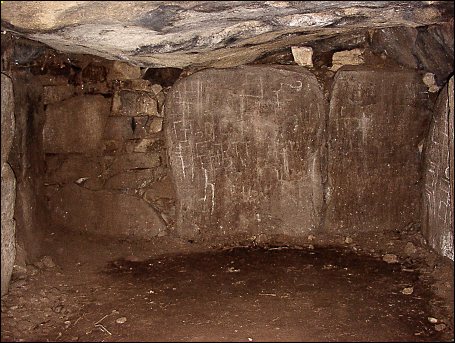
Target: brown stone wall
377	120
437	212
105	153
245	149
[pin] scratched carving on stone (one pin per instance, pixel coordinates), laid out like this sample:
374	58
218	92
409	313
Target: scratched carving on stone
244	148
437	215
376	122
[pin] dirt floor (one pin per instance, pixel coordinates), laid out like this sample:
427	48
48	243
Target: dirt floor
317	289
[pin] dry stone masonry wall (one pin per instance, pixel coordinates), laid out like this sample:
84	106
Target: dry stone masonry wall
106	167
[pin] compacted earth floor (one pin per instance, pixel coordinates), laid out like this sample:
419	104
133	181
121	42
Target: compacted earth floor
347	289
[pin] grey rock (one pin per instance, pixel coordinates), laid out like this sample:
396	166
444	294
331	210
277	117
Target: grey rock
217	34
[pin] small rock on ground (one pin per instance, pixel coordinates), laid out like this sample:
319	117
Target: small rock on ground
408	290
48	262
410	249
390	258
440	327
121	320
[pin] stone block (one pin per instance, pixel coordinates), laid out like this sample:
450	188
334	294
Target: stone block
65	168
57	93
103	212
75	125
377	120
131	179
347	57
164	188
126	128
8	225
303	55
437	211
135	161
134	103
245	155
7	119
156	125
122	71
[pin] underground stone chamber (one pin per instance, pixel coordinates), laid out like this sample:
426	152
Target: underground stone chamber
292	185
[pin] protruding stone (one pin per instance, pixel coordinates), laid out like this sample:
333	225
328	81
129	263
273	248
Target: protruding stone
156	125
123	71
134	103
156	88
303	55
347	57
430	81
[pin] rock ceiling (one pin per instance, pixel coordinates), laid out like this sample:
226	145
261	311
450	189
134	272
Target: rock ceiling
205	33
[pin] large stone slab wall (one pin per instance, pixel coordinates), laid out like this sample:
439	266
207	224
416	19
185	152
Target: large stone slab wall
245	150
8	187
437	212
377	120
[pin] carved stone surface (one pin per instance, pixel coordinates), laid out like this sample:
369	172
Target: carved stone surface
377	120
437	209
244	148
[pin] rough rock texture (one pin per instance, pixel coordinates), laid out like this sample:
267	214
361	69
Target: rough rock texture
75	125
76	208
349	57
437	212
8	225
7	119
27	161
223	33
377	120
419	48
245	155
8	184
